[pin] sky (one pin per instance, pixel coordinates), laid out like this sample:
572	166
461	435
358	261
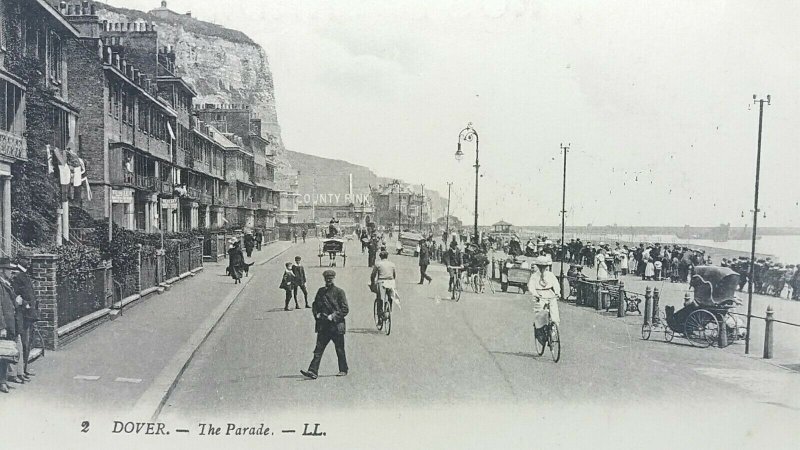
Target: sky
655	100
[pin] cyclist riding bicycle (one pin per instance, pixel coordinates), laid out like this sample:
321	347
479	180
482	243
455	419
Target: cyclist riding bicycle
477	261
543	286
454	260
382	279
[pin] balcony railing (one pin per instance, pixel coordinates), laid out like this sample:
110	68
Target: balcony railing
219	201
249	204
193	193
205	198
121	176
145	182
13	146
166	188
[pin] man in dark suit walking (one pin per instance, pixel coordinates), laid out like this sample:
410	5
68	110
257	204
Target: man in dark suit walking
299	280
329	309
424	261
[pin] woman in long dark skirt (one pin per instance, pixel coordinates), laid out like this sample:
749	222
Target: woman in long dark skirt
235	262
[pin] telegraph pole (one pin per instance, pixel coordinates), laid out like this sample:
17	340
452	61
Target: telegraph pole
565	149
755	220
447	217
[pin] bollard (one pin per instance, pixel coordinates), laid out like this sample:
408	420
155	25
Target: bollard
621	307
768	333
656	298
648	306
722	333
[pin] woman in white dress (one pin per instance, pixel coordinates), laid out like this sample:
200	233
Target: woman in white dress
543	286
623	261
649	269
600	264
631	263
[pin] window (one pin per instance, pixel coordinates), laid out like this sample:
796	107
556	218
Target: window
117	94
110	98
54	58
59	123
11	107
124	106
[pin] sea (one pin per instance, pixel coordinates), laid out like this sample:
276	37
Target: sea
785	249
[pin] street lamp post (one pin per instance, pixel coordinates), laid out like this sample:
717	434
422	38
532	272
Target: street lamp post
565	149
469	134
396	183
755	220
447	217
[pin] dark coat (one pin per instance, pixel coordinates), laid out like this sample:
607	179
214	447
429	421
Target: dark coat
326	302
22	285
454	258
288	280
299	274
8	316
424	254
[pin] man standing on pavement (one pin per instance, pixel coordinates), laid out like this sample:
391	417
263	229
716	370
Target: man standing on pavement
23	287
10	324
424	261
299	280
304	233
329	310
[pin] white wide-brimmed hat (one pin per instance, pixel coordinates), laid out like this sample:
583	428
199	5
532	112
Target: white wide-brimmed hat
543	260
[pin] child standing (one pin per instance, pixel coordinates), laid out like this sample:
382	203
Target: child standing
287	283
299	280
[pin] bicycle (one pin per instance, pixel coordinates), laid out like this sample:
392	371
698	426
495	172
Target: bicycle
457	288
479	281
383	323
553	338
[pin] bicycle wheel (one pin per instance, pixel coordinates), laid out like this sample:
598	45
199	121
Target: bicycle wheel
538	345
378	323
387	320
646	330
490	284
554	342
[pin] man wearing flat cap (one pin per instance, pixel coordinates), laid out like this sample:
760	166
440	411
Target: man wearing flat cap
329	309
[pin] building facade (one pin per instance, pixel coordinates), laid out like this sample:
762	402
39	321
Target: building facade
33	41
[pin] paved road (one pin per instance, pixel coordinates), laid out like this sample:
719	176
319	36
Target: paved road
472	358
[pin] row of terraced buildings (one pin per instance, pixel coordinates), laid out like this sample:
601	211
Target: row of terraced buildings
139	149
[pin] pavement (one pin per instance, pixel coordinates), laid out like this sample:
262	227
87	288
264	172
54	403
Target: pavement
111	367
786	338
451	374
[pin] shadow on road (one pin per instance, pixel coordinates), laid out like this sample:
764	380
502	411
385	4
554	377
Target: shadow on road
301	377
520	354
364	331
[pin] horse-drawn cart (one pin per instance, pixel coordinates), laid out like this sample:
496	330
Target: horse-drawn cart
332	247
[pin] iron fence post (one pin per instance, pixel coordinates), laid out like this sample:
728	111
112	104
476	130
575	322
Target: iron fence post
768	333
621	306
